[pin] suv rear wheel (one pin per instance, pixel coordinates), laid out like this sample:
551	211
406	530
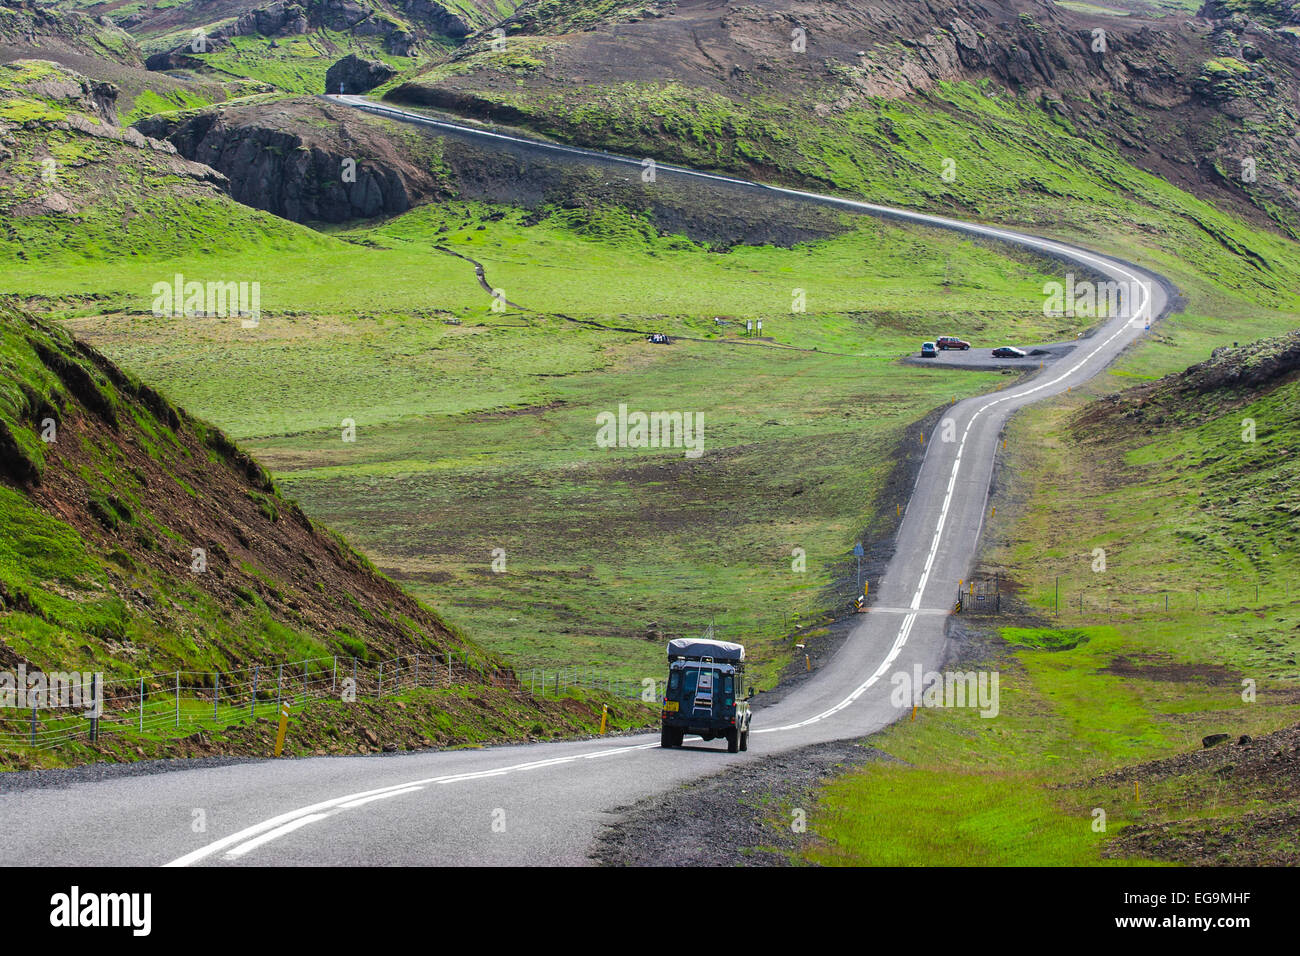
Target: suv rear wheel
733	741
744	740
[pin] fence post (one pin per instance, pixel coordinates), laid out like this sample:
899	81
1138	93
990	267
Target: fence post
94	721
141	706
279	687
381	680
354	678
216	694
33	734
252	706
178	699
449	680
417	671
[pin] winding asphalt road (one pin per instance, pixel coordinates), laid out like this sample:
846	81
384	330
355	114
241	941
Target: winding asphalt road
544	803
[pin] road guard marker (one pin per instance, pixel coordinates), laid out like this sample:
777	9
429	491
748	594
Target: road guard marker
284	727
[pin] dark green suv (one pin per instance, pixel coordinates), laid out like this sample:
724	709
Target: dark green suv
706	681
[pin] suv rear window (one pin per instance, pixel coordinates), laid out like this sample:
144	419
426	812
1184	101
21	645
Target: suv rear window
682	683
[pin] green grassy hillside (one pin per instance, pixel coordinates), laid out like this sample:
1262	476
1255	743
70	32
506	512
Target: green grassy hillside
109	488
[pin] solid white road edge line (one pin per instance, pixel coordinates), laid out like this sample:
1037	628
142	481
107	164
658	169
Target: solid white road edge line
275	825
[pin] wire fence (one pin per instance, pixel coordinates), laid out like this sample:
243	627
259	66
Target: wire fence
66	707
542	682
1088	601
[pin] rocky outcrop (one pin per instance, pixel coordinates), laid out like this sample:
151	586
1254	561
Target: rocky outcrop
178	59
1270	12
277	20
1243	368
71	91
1202	392
47	32
438	17
332	167
50	98
353	74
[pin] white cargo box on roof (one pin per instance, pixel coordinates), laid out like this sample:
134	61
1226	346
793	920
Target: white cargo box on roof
698	648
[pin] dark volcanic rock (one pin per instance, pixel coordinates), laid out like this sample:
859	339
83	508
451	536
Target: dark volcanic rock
307	161
274	20
352	74
438	17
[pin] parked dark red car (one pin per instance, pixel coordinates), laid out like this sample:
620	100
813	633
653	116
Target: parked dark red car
952	342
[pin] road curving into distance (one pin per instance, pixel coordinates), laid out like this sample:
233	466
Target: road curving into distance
544	803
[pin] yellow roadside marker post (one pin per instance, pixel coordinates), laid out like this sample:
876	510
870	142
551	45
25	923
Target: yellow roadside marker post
284	727
914	712
604	718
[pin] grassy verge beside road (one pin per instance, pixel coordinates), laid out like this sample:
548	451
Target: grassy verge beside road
1106	709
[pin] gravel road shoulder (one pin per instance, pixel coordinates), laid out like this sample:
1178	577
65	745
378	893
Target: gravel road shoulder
741	816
